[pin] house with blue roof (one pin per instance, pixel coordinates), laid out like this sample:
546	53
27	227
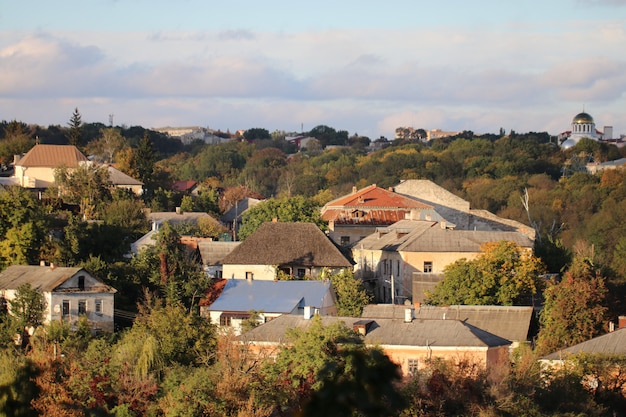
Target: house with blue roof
234	300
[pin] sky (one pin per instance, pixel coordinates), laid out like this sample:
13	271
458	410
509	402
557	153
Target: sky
356	65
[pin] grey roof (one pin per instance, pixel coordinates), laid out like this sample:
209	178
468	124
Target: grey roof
238	209
43	278
270	296
613	343
287	243
213	252
117	177
428	236
396	332
508	322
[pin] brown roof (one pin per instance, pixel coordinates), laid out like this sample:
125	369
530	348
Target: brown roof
378	206
284	243
613	343
52	156
183	185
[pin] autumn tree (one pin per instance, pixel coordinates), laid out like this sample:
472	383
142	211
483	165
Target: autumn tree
75	132
574	309
504	274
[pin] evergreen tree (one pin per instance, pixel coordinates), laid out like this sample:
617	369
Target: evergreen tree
75	133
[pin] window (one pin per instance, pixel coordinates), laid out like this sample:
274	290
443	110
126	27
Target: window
428	267
98	307
218	274
345	240
82	307
412	366
301	272
225	320
65	310
81	283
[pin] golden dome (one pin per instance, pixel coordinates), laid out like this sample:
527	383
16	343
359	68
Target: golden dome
582	118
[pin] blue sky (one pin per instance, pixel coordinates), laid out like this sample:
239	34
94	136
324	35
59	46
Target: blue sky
362	66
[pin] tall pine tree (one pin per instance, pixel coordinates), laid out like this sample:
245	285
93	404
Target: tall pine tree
75	134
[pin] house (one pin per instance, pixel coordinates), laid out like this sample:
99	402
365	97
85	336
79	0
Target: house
402	261
296	249
36	168
212	253
408	342
69	293
185	187
352	217
612	343
232	217
126	182
237	300
509	322
456	211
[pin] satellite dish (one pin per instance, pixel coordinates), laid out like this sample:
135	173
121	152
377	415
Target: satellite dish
57	308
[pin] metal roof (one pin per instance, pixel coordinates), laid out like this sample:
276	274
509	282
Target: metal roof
613	343
508	322
52	156
394	332
270	296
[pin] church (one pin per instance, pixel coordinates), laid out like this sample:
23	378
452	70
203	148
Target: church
583	126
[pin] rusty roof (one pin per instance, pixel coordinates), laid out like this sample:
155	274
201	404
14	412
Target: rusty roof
52	156
373	197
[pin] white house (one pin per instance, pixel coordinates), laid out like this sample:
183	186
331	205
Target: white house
69	293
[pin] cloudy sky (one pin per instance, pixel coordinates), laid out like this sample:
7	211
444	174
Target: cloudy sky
357	65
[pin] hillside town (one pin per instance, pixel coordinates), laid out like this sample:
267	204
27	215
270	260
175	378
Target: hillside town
425	271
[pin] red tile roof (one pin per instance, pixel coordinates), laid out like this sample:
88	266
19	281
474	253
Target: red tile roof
183	185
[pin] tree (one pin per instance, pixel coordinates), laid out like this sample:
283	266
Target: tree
75	133
145	158
17	140
87	185
351	296
107	145
504	274
256	134
287	209
574	309
23	224
329	366
28	306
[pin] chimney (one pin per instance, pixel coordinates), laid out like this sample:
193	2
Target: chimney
42	263
308	312
178	211
275	220
408	315
443	224
354	189
621	322
52	265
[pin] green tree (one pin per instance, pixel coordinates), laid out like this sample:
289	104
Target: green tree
574	309
351	296
87	185
75	133
145	158
28	306
17	140
23	227
256	134
329	366
287	209
504	274
107	145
